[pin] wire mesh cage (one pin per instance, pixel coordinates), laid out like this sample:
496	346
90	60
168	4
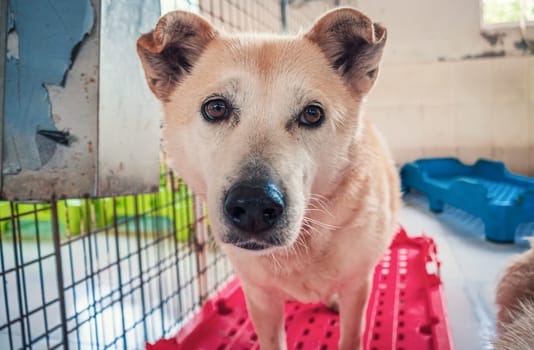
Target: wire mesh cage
117	272
105	273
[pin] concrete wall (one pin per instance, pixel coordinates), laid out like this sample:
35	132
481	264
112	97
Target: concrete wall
467	109
442	93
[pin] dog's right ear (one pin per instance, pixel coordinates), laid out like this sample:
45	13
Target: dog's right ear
170	50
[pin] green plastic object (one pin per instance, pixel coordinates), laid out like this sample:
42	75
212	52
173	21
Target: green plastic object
156	212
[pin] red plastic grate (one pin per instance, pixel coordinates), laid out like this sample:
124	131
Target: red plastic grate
405	312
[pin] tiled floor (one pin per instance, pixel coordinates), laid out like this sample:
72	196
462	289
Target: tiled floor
471	267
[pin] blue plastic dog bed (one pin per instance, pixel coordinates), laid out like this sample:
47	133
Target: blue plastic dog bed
486	189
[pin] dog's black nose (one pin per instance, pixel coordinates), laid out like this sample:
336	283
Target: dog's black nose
255	207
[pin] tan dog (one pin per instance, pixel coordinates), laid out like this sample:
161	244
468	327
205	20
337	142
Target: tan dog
515	301
301	191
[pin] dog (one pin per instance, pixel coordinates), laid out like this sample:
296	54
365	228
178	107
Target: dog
301	190
515	302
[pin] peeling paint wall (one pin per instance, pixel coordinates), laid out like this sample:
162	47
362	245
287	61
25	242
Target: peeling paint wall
41	38
79	120
51	99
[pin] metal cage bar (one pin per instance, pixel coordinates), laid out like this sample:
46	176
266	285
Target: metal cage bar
103	273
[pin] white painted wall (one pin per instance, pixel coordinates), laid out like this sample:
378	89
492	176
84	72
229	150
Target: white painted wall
430	101
129	115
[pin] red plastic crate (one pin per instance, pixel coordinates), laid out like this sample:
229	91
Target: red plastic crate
406	311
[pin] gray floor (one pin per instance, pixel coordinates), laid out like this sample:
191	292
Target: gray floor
471	267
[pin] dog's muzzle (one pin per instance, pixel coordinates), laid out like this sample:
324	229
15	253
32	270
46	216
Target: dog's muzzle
253	208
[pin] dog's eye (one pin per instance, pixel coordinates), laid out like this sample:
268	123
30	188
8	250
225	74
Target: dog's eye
311	116
215	110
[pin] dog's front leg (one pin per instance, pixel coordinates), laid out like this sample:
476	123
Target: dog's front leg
267	313
352	307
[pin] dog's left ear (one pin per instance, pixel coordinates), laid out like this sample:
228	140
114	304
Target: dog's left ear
353	45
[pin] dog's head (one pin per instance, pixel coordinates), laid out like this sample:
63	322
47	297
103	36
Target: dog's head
261	123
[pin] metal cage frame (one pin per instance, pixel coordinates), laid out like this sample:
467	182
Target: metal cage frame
105	273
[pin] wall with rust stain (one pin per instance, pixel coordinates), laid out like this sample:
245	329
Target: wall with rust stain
52	53
41	40
72	68
426	31
431	100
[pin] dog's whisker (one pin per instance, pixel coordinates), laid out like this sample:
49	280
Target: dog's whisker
311	231
303	245
305	230
300	244
320	224
314	209
312	205
319	197
321	201
277	263
317	203
309	226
